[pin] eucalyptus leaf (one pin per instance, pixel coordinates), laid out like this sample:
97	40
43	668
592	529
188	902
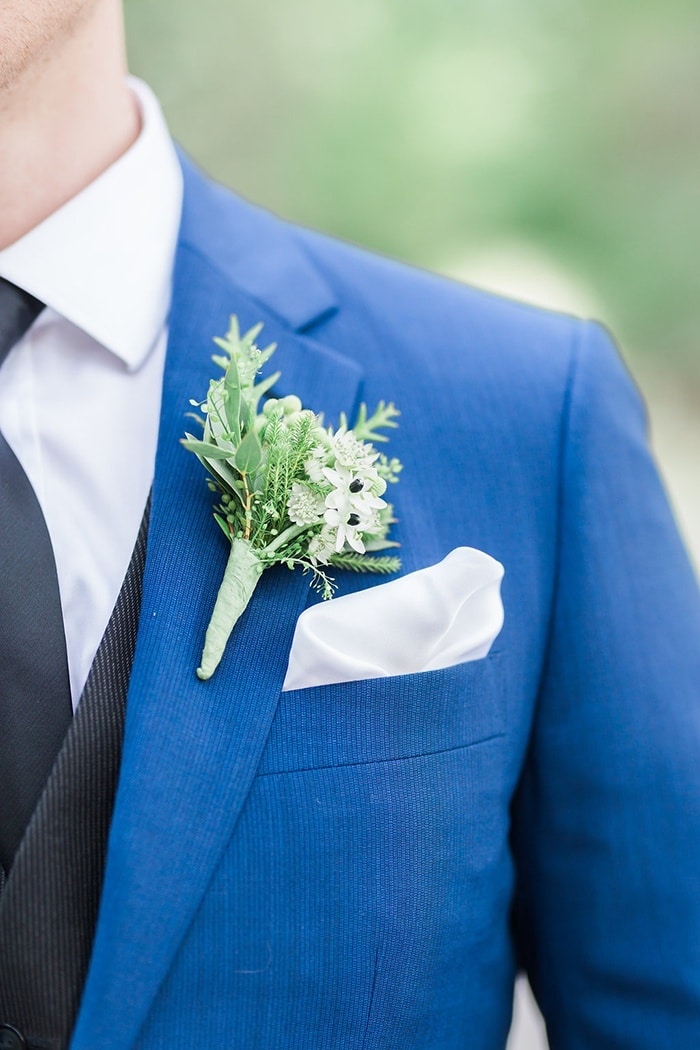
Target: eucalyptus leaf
249	453
222	474
226	477
223	525
201	448
247	416
380	544
232	403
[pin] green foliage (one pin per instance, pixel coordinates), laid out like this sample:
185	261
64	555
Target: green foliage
204	449
281	499
364	563
367	428
248	454
389	468
280	495
241	362
289	448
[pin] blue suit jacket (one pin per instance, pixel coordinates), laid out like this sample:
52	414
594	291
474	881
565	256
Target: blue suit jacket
366	865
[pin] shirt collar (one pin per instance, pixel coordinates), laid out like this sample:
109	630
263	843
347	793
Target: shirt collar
104	259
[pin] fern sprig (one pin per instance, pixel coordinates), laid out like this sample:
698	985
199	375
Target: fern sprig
365	563
367	428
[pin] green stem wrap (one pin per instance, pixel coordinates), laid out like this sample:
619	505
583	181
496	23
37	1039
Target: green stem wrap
243	570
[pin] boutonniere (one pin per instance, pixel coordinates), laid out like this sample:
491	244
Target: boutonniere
291	490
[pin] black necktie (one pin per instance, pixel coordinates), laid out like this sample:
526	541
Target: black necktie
35	699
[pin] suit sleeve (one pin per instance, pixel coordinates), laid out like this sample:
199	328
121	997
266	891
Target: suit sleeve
606	821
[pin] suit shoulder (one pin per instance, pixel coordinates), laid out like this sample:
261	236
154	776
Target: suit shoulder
431	322
426	314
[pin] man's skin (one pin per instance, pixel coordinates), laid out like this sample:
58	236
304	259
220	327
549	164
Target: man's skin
66	112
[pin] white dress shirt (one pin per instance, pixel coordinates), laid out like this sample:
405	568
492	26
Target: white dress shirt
80	393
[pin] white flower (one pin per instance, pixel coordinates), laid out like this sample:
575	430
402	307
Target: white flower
354	495
304	506
314	466
347	530
363	483
352	453
322	546
351	509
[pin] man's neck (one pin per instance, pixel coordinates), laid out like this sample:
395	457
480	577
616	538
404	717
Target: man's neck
64	123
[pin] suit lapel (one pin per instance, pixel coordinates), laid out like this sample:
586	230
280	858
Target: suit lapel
191	748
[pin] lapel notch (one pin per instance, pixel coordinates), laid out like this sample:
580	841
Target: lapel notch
254	251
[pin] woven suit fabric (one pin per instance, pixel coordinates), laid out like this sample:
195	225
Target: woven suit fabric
49	904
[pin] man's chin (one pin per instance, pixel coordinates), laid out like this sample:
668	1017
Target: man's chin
32	33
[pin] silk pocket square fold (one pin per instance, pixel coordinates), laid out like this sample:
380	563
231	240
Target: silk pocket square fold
446	614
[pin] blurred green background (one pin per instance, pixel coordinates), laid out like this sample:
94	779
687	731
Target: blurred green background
467	137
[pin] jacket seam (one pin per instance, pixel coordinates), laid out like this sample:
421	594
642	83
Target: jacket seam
562	456
382	761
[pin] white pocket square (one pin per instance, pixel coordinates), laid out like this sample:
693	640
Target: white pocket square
436	617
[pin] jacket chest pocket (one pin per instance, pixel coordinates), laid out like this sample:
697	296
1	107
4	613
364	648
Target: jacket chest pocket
385	719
